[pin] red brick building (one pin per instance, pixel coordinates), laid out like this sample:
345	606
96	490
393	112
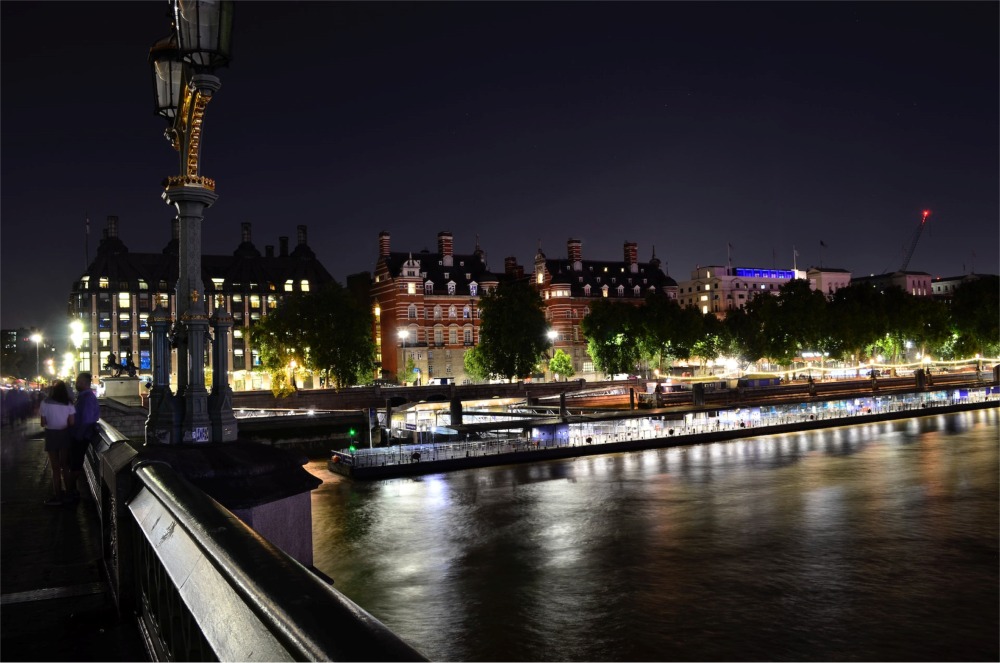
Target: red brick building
425	308
570	285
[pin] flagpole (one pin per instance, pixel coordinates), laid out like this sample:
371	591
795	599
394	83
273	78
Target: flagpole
795	255
86	241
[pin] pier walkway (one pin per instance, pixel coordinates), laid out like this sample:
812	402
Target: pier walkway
550	439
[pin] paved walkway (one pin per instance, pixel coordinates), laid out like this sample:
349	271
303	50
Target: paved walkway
55	604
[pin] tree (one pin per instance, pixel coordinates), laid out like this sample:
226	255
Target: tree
278	341
473	363
975	315
337	333
327	331
561	364
613	331
512	330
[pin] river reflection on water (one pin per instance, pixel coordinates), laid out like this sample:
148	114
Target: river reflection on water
871	542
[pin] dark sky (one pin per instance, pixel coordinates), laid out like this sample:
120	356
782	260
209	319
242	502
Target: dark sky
687	126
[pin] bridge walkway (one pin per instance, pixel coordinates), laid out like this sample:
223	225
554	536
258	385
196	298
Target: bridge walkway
55	603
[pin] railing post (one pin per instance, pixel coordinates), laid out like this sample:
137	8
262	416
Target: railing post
117	554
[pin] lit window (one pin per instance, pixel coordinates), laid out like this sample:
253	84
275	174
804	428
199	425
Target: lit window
451	287
289	285
473	289
304	285
255	302
123	300
466	312
411	288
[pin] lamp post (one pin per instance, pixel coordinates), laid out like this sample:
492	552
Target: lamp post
37	338
183	65
553	335
403	335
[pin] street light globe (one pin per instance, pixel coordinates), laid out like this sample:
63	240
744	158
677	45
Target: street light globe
76	333
403	334
37	338
552	334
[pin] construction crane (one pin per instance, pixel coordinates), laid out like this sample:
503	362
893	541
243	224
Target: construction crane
913	242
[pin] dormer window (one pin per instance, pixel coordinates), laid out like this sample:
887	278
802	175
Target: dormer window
473	289
586	290
621	291
429	288
635	290
451	286
604	291
446	275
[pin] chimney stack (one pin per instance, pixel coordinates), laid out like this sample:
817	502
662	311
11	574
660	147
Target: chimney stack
245	233
511	268
445	247
631	253
269	251
283	247
574	250
301	236
383	244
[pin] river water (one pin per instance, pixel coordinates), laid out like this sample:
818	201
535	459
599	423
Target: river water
871	542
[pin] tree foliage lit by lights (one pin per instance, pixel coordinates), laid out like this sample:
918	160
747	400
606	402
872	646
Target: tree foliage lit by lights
512	332
327	331
613	331
561	364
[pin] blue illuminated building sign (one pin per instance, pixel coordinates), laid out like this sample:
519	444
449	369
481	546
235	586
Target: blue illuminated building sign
748	273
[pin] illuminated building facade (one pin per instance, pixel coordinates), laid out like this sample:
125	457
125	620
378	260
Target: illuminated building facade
917	284
114	298
570	285
718	289
425	309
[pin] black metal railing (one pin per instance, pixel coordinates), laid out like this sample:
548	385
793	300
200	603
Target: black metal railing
205	586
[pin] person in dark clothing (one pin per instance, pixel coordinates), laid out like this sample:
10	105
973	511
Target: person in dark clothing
87	412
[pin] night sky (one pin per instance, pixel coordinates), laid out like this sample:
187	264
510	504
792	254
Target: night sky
684	126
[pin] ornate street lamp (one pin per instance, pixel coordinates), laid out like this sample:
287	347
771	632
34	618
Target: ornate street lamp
183	82
403	335
553	335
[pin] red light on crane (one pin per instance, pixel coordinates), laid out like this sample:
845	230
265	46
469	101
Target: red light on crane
927	213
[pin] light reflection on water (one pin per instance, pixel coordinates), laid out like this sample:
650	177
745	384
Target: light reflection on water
873	542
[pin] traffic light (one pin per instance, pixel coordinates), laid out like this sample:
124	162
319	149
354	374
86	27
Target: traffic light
352	435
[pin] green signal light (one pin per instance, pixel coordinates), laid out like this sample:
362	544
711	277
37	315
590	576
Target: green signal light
352	448
352	432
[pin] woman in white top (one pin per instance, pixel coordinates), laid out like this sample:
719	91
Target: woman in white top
57	419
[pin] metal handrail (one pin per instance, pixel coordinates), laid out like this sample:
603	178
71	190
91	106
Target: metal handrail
310	619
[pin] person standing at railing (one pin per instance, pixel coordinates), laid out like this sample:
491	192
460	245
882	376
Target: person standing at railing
57	413
84	428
